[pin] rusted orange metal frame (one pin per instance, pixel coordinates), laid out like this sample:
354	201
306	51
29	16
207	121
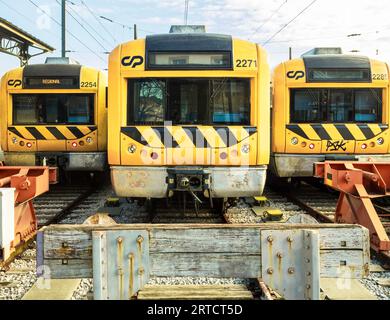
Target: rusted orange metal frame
29	183
358	183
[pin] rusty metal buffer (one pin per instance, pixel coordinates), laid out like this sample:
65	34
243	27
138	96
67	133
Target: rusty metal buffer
122	265
18	222
359	183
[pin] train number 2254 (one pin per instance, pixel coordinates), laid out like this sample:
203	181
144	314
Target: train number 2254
88	84
245	63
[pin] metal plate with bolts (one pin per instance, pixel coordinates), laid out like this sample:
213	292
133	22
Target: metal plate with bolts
290	263
120	263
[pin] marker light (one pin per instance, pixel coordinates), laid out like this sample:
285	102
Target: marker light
246	148
89	140
223	155
154	156
74	144
364	146
303	144
81	143
21	143
380	141
14	140
372	144
29	144
311	146
132	149
294	141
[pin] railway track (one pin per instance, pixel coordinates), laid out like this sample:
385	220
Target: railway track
74	205
321	203
63	204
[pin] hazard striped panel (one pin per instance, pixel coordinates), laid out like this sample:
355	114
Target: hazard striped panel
318	132
52	133
189	136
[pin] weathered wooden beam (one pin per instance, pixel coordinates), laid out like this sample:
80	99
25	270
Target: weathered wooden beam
204	250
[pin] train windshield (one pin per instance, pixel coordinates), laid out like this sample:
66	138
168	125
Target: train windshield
336	105
53	109
189	101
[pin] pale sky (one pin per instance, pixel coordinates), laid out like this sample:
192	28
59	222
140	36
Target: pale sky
324	23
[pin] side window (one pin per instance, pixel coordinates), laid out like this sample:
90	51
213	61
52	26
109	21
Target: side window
78	109
368	105
147	104
341	106
25	109
306	105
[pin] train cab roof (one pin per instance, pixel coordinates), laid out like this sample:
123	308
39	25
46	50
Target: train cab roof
336	68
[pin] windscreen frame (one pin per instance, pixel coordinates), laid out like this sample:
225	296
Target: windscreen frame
379	106
92	110
130	106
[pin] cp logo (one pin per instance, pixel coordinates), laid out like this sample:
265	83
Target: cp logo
295	75
14	83
132	61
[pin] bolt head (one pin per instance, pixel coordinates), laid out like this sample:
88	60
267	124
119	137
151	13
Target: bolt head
270	239
140	239
291	270
270	270
289	239
119	240
141	271
279	255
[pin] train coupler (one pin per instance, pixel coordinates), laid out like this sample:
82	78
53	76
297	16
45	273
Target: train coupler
359	183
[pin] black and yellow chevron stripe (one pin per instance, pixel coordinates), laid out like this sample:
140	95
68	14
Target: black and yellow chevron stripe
52	132
189	136
348	131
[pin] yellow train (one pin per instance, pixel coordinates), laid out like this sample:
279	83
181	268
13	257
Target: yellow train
54	114
189	113
329	107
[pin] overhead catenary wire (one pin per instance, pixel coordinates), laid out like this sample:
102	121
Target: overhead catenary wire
288	23
269	18
84	28
97	19
97	33
70	33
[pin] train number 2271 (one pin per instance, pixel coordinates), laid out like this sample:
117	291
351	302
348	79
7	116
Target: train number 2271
245	63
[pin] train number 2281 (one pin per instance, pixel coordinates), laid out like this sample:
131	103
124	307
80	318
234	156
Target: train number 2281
379	77
245	63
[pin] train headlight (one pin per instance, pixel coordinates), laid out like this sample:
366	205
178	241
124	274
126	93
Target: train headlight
74	144
380	141
245	148
89	140
29	145
311	146
294	141
132	149
364	146
15	140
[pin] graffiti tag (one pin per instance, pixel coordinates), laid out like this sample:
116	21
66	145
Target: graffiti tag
336	145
